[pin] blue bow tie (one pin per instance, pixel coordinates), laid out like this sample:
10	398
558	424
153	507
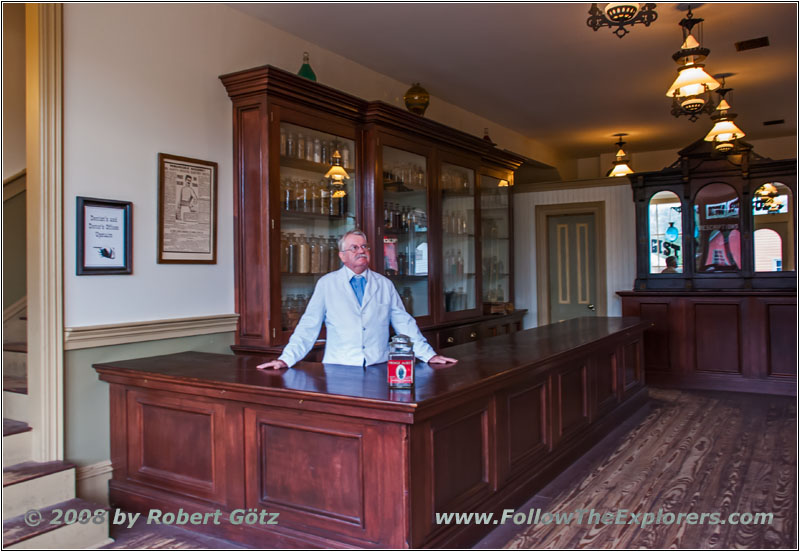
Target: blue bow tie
358	282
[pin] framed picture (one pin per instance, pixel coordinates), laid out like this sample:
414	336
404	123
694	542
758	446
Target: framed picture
105	236
187	210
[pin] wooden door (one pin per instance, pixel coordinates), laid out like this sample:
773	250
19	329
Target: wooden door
572	256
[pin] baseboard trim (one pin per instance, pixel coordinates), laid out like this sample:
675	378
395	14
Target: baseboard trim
15	309
92	481
87	337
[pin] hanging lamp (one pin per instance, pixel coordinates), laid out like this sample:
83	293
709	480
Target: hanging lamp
690	92
621	167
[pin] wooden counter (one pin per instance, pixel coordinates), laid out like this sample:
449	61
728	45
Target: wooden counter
345	461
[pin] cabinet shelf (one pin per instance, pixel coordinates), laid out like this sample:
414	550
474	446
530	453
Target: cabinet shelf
304	216
407	276
310	166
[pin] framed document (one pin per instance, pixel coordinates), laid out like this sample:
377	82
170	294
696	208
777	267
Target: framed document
104	236
187	210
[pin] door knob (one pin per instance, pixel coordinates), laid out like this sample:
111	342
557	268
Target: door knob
591	307
451	339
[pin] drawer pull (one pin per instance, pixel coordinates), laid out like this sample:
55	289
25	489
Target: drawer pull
473	335
451	339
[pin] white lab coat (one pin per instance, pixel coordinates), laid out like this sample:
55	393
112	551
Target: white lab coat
355	333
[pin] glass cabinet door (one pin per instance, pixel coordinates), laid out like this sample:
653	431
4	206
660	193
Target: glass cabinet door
315	212
495	239
458	238
405	226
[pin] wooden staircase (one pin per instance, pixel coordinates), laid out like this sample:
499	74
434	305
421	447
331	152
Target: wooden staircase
40	509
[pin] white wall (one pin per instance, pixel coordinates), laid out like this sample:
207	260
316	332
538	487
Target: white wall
620	230
13	89
140	79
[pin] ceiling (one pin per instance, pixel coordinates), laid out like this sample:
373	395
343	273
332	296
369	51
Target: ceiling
540	70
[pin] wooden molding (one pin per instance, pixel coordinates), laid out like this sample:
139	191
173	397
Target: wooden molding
14	185
596	208
93	470
87	337
45	226
557	186
15	309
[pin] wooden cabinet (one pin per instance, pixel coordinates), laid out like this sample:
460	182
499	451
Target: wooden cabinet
433	201
724	340
716	271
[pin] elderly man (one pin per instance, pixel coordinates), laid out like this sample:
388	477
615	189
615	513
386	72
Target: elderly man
357	306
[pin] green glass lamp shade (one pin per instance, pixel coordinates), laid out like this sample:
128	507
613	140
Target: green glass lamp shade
305	70
417	99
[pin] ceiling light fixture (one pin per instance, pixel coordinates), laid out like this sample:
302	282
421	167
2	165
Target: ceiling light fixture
690	92
724	133
619	14
620	167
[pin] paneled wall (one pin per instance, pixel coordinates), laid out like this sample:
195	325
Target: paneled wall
620	229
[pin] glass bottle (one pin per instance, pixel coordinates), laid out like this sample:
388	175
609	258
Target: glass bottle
302	196
315	191
301	146
459	265
304	256
284	253
290	145
314	247
324	152
324	255
283	142
284	314
333	251
400	365
408	300
292	256
324	198
317	151
309	149
346	157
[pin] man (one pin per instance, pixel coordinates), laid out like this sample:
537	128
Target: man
187	199
672	265
357	306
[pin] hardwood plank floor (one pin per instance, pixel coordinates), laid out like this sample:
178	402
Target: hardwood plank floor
695	452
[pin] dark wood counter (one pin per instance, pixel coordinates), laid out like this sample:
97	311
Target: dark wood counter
346	461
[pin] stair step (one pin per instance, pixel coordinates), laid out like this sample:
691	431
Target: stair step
17	533
16	347
31	485
25	471
12	427
15	371
16	442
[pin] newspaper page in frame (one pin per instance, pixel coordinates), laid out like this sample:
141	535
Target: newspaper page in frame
188	200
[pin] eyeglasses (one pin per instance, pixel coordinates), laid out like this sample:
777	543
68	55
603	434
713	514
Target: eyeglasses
355	248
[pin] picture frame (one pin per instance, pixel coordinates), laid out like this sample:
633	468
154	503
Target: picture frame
187	210
104	230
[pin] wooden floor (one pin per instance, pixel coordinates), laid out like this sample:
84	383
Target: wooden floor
692	452
695	452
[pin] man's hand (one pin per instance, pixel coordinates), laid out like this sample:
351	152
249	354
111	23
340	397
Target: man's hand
439	359
273	365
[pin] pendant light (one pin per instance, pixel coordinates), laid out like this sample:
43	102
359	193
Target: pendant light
690	92
725	132
620	167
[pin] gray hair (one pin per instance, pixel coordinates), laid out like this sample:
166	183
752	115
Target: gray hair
354	232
